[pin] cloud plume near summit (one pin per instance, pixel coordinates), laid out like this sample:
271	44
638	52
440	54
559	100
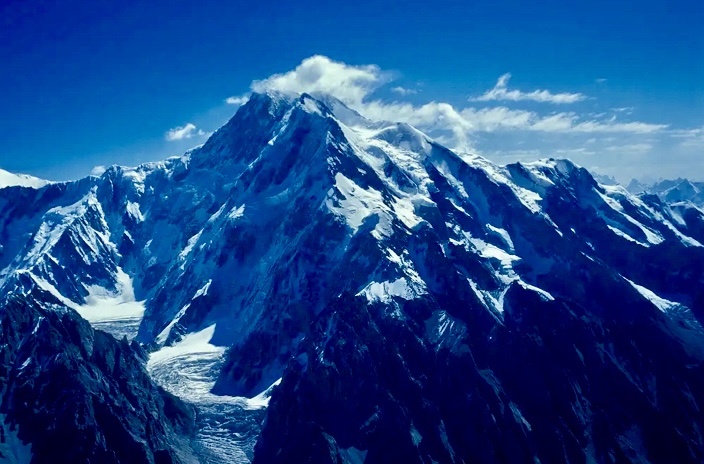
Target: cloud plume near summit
520	126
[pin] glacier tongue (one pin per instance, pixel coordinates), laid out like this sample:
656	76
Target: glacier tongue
228	425
12	449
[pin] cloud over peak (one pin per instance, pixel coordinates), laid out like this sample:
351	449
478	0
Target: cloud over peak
604	135
500	92
454	126
350	84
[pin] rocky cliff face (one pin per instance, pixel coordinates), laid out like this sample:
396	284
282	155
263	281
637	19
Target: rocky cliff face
72	394
409	303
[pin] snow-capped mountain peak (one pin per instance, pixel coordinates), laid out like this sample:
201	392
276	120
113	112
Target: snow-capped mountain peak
306	246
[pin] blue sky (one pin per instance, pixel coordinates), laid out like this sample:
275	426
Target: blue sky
616	86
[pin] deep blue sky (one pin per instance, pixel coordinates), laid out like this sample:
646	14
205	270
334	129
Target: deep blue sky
90	83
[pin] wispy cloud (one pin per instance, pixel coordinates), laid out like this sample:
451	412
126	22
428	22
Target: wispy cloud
239	101
500	92
690	138
630	149
403	91
183	132
601	80
600	135
456	127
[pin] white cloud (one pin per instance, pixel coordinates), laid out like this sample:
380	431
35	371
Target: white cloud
571	152
436	115
690	138
433	116
98	171
498	129
403	91
501	92
631	149
612	125
601	80
351	84
183	132
239	101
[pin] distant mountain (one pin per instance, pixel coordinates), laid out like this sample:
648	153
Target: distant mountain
672	191
605	180
325	288
8	179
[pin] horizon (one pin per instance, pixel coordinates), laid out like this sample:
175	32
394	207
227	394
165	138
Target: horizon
127	90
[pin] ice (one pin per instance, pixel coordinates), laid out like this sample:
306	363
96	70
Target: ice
237	212
203	290
118	312
651	236
228	425
385	291
48	287
26	363
546	296
503	234
138	176
487	250
518	416
134	212
217	214
164	334
261	401
356	204
58	220
415	435
661	303
189	246
501	176
623	234
195	344
12	449
353	455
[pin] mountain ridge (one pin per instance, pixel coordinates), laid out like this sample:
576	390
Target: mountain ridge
365	269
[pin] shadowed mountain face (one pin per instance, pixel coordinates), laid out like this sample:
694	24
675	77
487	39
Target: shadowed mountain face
71	394
412	304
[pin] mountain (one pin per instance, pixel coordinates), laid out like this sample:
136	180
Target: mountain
71	394
325	288
672	191
8	179
606	180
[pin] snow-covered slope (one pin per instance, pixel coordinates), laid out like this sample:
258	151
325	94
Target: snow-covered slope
8	179
403	297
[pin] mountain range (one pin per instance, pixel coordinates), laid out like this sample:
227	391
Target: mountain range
672	191
313	286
